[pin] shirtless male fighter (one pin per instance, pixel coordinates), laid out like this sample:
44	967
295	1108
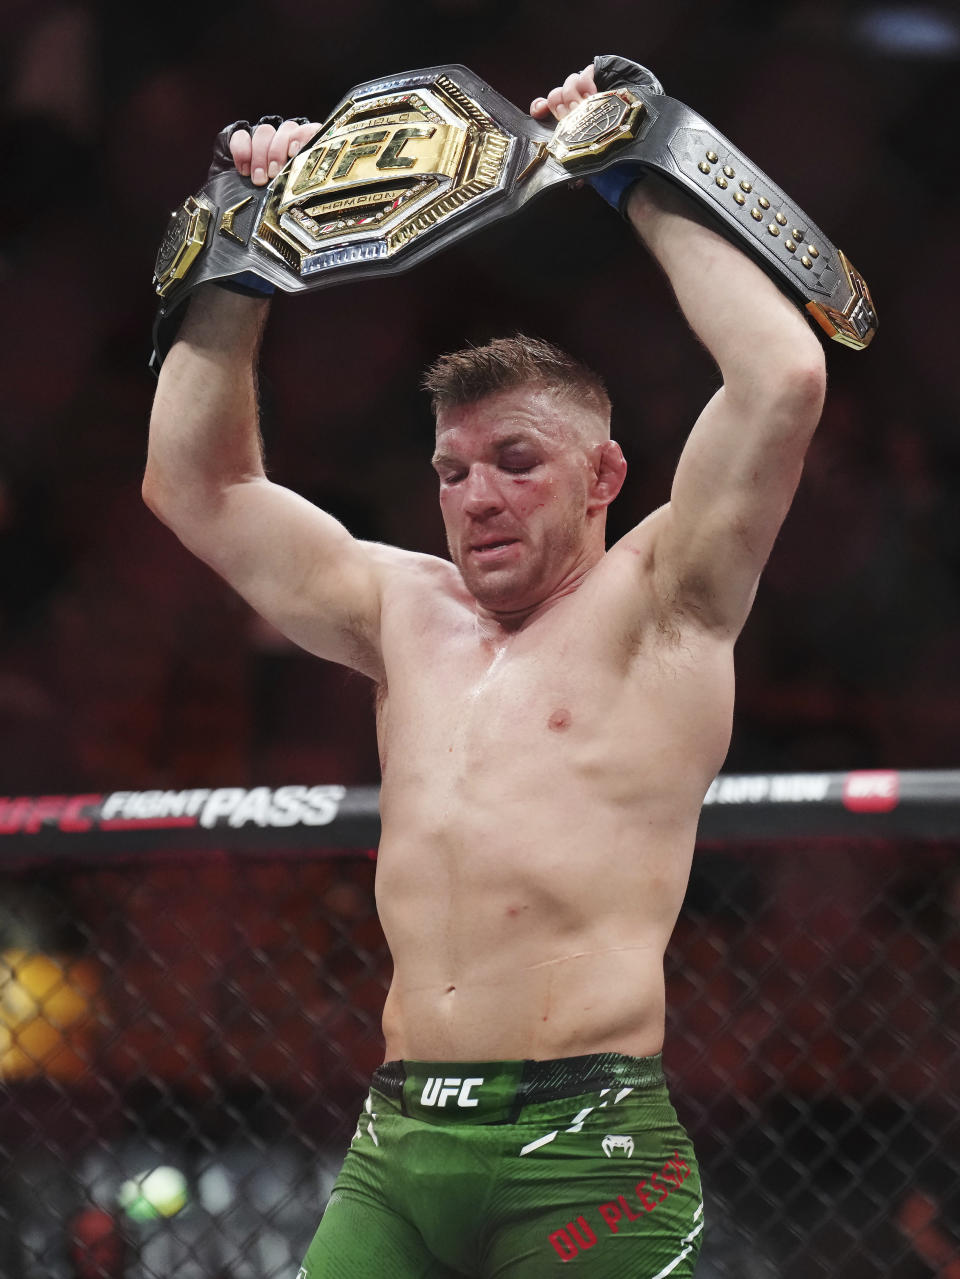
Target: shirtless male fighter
551	714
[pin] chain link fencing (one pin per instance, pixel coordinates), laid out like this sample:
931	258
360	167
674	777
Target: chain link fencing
213	1021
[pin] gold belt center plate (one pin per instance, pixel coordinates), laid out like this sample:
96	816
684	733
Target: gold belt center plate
383	171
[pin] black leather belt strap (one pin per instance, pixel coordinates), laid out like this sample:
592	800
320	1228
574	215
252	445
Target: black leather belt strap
407	165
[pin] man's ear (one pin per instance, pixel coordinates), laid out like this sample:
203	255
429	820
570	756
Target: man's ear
608	469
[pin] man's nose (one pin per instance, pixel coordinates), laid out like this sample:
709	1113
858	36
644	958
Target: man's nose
482	496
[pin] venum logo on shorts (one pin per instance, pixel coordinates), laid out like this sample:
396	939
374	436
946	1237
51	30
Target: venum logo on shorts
437	1091
610	1144
579	1236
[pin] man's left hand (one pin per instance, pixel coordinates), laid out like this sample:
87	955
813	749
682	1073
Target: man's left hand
560	101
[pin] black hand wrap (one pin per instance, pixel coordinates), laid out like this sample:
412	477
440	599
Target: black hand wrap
611	71
222	157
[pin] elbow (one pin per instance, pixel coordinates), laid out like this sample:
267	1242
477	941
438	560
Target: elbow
787	384
794	392
177	509
804	388
804	379
151	490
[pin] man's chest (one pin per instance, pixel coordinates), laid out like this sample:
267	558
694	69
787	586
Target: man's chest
569	701
506	694
559	688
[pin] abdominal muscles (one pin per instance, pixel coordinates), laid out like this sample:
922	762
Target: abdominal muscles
538	824
527	924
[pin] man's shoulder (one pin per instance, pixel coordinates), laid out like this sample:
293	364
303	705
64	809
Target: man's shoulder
412	571
419	594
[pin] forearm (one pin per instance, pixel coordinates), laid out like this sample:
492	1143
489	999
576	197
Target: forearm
204	430
756	335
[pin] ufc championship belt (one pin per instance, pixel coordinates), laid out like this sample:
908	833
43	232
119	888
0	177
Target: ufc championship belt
407	165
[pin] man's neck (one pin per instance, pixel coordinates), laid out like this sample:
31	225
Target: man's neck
498	624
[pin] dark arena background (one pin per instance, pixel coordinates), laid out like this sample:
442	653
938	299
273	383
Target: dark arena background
191	971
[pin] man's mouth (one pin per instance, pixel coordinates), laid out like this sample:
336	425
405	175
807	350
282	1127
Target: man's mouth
492	548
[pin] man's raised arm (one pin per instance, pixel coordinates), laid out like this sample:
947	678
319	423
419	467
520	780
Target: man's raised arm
742	461
296	565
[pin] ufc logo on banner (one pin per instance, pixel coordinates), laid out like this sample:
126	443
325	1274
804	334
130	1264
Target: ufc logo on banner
438	1091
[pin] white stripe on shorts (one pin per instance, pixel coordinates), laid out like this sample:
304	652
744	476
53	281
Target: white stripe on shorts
684	1251
541	1141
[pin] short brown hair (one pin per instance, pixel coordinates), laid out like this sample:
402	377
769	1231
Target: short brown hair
469	375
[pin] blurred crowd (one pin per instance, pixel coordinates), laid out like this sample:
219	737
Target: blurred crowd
126	663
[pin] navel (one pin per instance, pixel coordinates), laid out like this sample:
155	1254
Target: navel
559	720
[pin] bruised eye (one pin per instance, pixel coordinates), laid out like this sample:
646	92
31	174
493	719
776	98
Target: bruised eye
517	466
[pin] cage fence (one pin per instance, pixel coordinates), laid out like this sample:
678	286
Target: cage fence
187	1031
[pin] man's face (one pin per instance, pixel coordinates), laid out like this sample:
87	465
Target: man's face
514	486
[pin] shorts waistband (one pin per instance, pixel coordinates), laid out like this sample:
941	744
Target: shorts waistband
491	1092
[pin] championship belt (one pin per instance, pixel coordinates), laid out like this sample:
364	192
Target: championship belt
407	165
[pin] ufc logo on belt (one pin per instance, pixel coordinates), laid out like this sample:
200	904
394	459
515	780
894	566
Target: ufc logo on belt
438	1091
385	144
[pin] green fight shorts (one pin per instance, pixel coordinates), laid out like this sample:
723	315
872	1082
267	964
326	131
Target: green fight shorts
514	1170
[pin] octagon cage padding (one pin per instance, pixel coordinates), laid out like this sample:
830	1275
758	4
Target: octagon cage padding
217	1014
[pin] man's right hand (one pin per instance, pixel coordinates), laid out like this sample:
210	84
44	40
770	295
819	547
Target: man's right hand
261	155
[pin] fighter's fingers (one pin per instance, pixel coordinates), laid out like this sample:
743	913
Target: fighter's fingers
573	93
278	152
241	148
555	103
302	136
263	135
538	107
562	99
